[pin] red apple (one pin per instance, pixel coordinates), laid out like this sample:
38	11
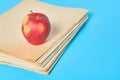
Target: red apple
36	28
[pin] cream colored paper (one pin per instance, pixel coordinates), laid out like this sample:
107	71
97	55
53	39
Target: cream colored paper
14	45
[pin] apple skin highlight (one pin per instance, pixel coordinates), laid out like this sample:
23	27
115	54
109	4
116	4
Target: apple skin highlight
36	28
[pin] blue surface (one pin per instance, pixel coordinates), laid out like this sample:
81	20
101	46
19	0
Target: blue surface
94	53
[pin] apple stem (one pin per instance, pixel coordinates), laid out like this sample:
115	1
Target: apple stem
33	14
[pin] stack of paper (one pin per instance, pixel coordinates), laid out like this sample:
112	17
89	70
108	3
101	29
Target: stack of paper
16	51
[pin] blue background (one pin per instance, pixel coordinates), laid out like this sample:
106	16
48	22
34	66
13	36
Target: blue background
94	53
